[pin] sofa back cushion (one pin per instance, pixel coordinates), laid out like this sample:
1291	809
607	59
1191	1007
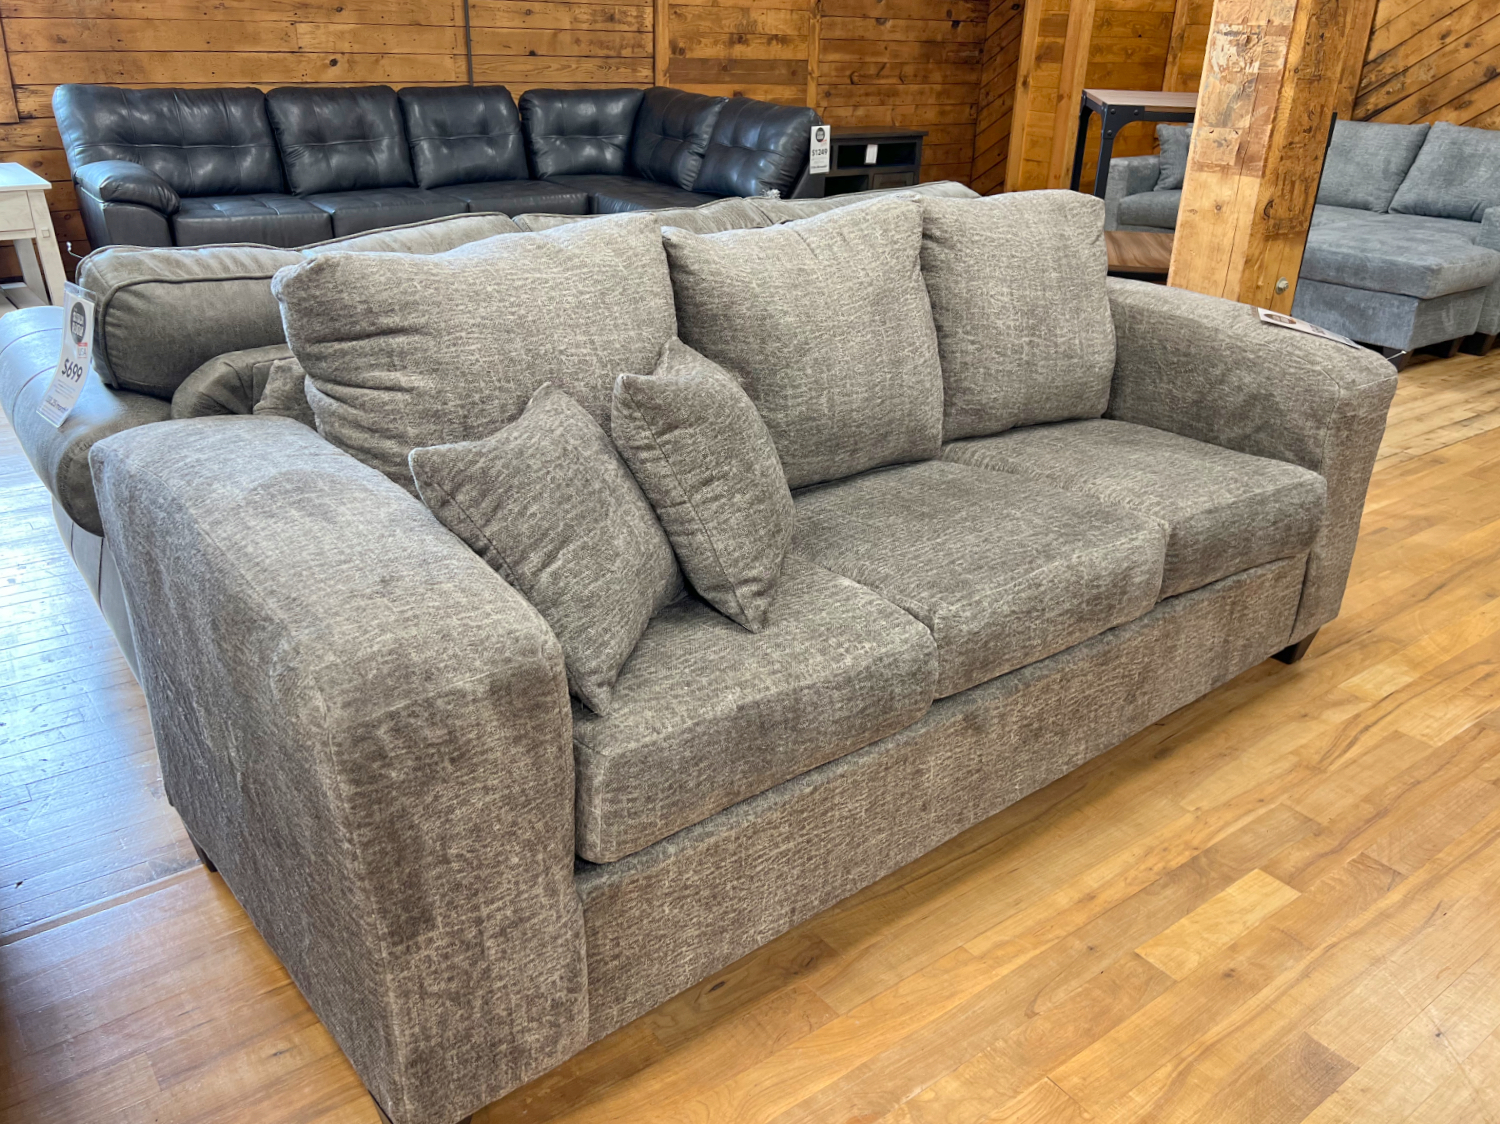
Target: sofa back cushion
1456	175
161	312
403	350
672	130
340	138
463	134
1366	163
202	142
756	147
1174	141
825	323
580	132
1017	283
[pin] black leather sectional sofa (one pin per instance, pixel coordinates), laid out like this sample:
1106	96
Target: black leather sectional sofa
301	164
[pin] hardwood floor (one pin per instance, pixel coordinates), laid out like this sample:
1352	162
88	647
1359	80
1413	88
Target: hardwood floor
1279	904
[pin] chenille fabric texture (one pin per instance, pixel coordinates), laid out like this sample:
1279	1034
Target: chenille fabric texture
548	503
703	456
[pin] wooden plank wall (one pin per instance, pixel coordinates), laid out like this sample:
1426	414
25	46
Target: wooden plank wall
1433	60
862	62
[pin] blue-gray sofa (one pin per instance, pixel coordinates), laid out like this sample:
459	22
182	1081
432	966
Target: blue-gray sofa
1404	250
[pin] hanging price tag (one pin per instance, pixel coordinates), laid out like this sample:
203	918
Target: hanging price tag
817	155
73	363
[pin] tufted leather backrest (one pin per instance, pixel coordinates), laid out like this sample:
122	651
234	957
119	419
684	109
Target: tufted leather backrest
579	132
202	142
672	130
339	138
756	147
463	134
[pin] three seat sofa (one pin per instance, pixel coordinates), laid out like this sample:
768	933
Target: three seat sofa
1033	510
1404	249
298	165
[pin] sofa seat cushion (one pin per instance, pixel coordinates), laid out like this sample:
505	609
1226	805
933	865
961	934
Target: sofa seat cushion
519	197
1151	208
1394	258
706	714
1002	570
268	220
609	195
1224	511
354	211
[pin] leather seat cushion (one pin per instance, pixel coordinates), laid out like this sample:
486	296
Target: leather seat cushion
354	211
270	220
579	132
1002	570
1224	511
519	197
706	713
609	195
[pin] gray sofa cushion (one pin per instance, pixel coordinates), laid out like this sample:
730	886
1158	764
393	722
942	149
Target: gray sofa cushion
1174	141
1017	289
703	457
706	714
404	350
1151	208
1392	257
1455	176
1002	570
285	393
227	384
1366	162
548	504
826	323
1224	511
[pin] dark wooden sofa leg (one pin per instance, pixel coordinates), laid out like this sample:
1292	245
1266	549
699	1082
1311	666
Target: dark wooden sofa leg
203	855
1294	652
1479	343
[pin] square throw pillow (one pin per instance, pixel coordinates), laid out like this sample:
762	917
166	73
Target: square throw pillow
1018	292
548	503
825	323
1173	140
705	460
406	350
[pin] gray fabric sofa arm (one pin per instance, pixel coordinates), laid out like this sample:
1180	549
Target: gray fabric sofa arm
1209	369
123	181
1128	175
369	732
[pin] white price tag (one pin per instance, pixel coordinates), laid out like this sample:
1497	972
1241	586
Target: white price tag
872	154
73	363
817	155
1282	320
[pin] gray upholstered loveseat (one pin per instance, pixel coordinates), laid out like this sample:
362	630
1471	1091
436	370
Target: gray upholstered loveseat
1404	250
1021	534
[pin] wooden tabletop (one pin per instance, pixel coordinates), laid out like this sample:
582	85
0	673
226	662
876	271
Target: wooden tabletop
1150	99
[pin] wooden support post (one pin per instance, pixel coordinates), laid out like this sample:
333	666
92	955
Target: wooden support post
1271	79
1055	37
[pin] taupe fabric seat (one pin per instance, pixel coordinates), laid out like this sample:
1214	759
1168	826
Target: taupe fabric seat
706	713
1002	570
1224	511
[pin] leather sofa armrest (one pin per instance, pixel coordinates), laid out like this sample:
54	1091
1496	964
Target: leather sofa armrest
369	732
1208	368
123	181
1128	175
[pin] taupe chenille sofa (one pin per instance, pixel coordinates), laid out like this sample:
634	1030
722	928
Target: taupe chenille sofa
1033	510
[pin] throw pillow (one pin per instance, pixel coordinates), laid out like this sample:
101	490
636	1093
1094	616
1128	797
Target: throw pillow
548	504
705	460
1018	292
1173	140
405	350
825	323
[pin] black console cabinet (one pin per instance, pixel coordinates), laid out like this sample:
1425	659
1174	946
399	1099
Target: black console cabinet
897	159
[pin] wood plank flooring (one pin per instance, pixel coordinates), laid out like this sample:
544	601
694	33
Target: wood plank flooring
1279	904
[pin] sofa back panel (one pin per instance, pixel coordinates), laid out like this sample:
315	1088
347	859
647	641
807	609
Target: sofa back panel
463	134
340	138
756	147
579	132
1366	163
672	132
1456	175
202	142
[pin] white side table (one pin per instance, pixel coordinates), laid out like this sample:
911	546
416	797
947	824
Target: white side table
27	225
